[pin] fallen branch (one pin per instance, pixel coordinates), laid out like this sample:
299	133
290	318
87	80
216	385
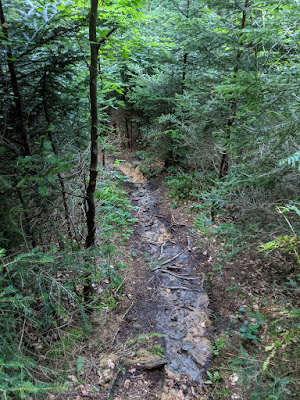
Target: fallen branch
179	276
113	383
174	267
162	251
182	288
171	259
189	243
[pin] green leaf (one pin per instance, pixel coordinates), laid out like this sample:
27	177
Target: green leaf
79	365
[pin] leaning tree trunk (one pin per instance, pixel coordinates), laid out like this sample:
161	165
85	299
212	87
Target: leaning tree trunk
91	212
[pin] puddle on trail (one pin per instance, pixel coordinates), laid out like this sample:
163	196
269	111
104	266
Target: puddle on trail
179	303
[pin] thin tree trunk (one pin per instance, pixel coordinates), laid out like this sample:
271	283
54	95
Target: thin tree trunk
15	87
185	57
127	130
91	212
90	199
28	231
223	168
60	178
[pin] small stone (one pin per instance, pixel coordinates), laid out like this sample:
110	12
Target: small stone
177	335
186	347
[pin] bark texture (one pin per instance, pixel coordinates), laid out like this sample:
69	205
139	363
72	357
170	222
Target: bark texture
91	211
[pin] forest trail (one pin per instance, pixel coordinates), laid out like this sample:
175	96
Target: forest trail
170	301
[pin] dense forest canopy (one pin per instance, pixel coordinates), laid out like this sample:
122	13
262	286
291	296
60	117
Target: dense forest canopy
208	88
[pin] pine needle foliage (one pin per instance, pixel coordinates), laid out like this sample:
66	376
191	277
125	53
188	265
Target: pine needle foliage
39	292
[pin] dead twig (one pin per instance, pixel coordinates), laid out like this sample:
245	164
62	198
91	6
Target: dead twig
113	383
90	395
189	243
118	288
137	214
121	319
174	267
22	334
167	261
179	276
162	251
182	288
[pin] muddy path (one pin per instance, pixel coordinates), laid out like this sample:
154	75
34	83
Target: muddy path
169	301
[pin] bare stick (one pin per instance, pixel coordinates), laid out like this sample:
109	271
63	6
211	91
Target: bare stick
162	251
113	383
167	262
179	276
189	244
173	267
118	288
171	259
22	334
121	319
181	288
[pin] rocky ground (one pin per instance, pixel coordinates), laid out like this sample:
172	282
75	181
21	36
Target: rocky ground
171	303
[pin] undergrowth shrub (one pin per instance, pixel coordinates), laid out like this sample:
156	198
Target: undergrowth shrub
43	314
113	208
261	384
38	294
187	185
260	354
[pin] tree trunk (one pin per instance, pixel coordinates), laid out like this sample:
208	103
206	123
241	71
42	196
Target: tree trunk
223	168
60	178
185	55
91	212
15	87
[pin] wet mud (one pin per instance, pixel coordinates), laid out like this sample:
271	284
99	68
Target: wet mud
172	301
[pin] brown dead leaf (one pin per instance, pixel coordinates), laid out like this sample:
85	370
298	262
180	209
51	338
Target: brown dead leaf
233	379
127	383
32	336
110	364
73	378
